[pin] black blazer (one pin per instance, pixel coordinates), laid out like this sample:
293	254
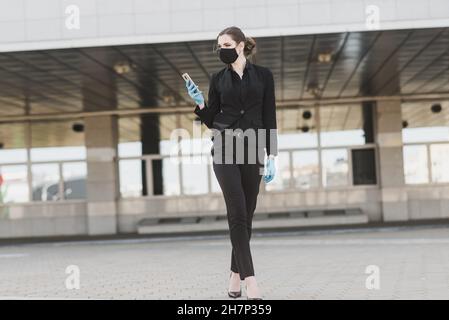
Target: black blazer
250	99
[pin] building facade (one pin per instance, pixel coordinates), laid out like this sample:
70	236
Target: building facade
91	94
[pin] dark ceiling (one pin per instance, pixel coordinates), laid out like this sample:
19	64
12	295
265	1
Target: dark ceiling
362	64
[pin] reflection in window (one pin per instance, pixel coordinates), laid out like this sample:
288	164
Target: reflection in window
335	167
415	164
45	184
281	179
130	178
13	184
439	154
306	169
346	125
74	174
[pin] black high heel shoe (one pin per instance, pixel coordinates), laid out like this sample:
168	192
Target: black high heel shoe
234	294
254	298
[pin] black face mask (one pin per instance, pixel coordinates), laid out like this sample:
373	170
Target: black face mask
228	55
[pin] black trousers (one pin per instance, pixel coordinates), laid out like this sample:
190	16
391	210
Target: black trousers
240	184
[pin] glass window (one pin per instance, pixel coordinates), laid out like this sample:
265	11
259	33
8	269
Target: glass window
58	153
13	155
13	143
415	164
170	172
335	167
130	144
425	134
425	122
57	140
168	123
305	169
45	182
13	135
14	184
149	134
194	175
345	125
130	149
195	146
130	178
169	147
74	174
439	154
297	128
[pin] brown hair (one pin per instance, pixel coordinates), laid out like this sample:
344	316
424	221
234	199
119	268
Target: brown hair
237	35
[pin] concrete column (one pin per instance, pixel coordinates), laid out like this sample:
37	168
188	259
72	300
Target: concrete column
101	134
391	165
102	174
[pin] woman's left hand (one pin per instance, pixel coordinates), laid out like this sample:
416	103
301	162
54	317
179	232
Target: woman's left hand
270	170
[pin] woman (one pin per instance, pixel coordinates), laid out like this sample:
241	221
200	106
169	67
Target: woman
241	97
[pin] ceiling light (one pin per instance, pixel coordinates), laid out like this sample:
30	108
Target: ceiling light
122	67
324	57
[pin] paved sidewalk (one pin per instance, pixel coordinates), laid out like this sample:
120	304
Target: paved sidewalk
413	264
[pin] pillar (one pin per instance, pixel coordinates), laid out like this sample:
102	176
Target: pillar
101	139
391	164
102	174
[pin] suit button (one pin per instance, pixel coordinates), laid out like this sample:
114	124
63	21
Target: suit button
242	111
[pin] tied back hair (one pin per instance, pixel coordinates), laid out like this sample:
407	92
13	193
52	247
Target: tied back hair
237	35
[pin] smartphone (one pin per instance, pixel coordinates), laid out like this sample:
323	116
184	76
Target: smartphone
186	78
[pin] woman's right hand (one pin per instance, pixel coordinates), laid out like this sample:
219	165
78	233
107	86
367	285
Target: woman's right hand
195	93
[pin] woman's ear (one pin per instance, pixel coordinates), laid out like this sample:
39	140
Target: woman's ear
242	46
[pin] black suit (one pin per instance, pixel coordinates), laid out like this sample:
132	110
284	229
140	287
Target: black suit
252	99
248	102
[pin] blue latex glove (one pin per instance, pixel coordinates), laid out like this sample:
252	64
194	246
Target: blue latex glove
270	170
194	92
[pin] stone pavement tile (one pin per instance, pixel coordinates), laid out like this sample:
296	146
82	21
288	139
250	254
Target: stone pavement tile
413	264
